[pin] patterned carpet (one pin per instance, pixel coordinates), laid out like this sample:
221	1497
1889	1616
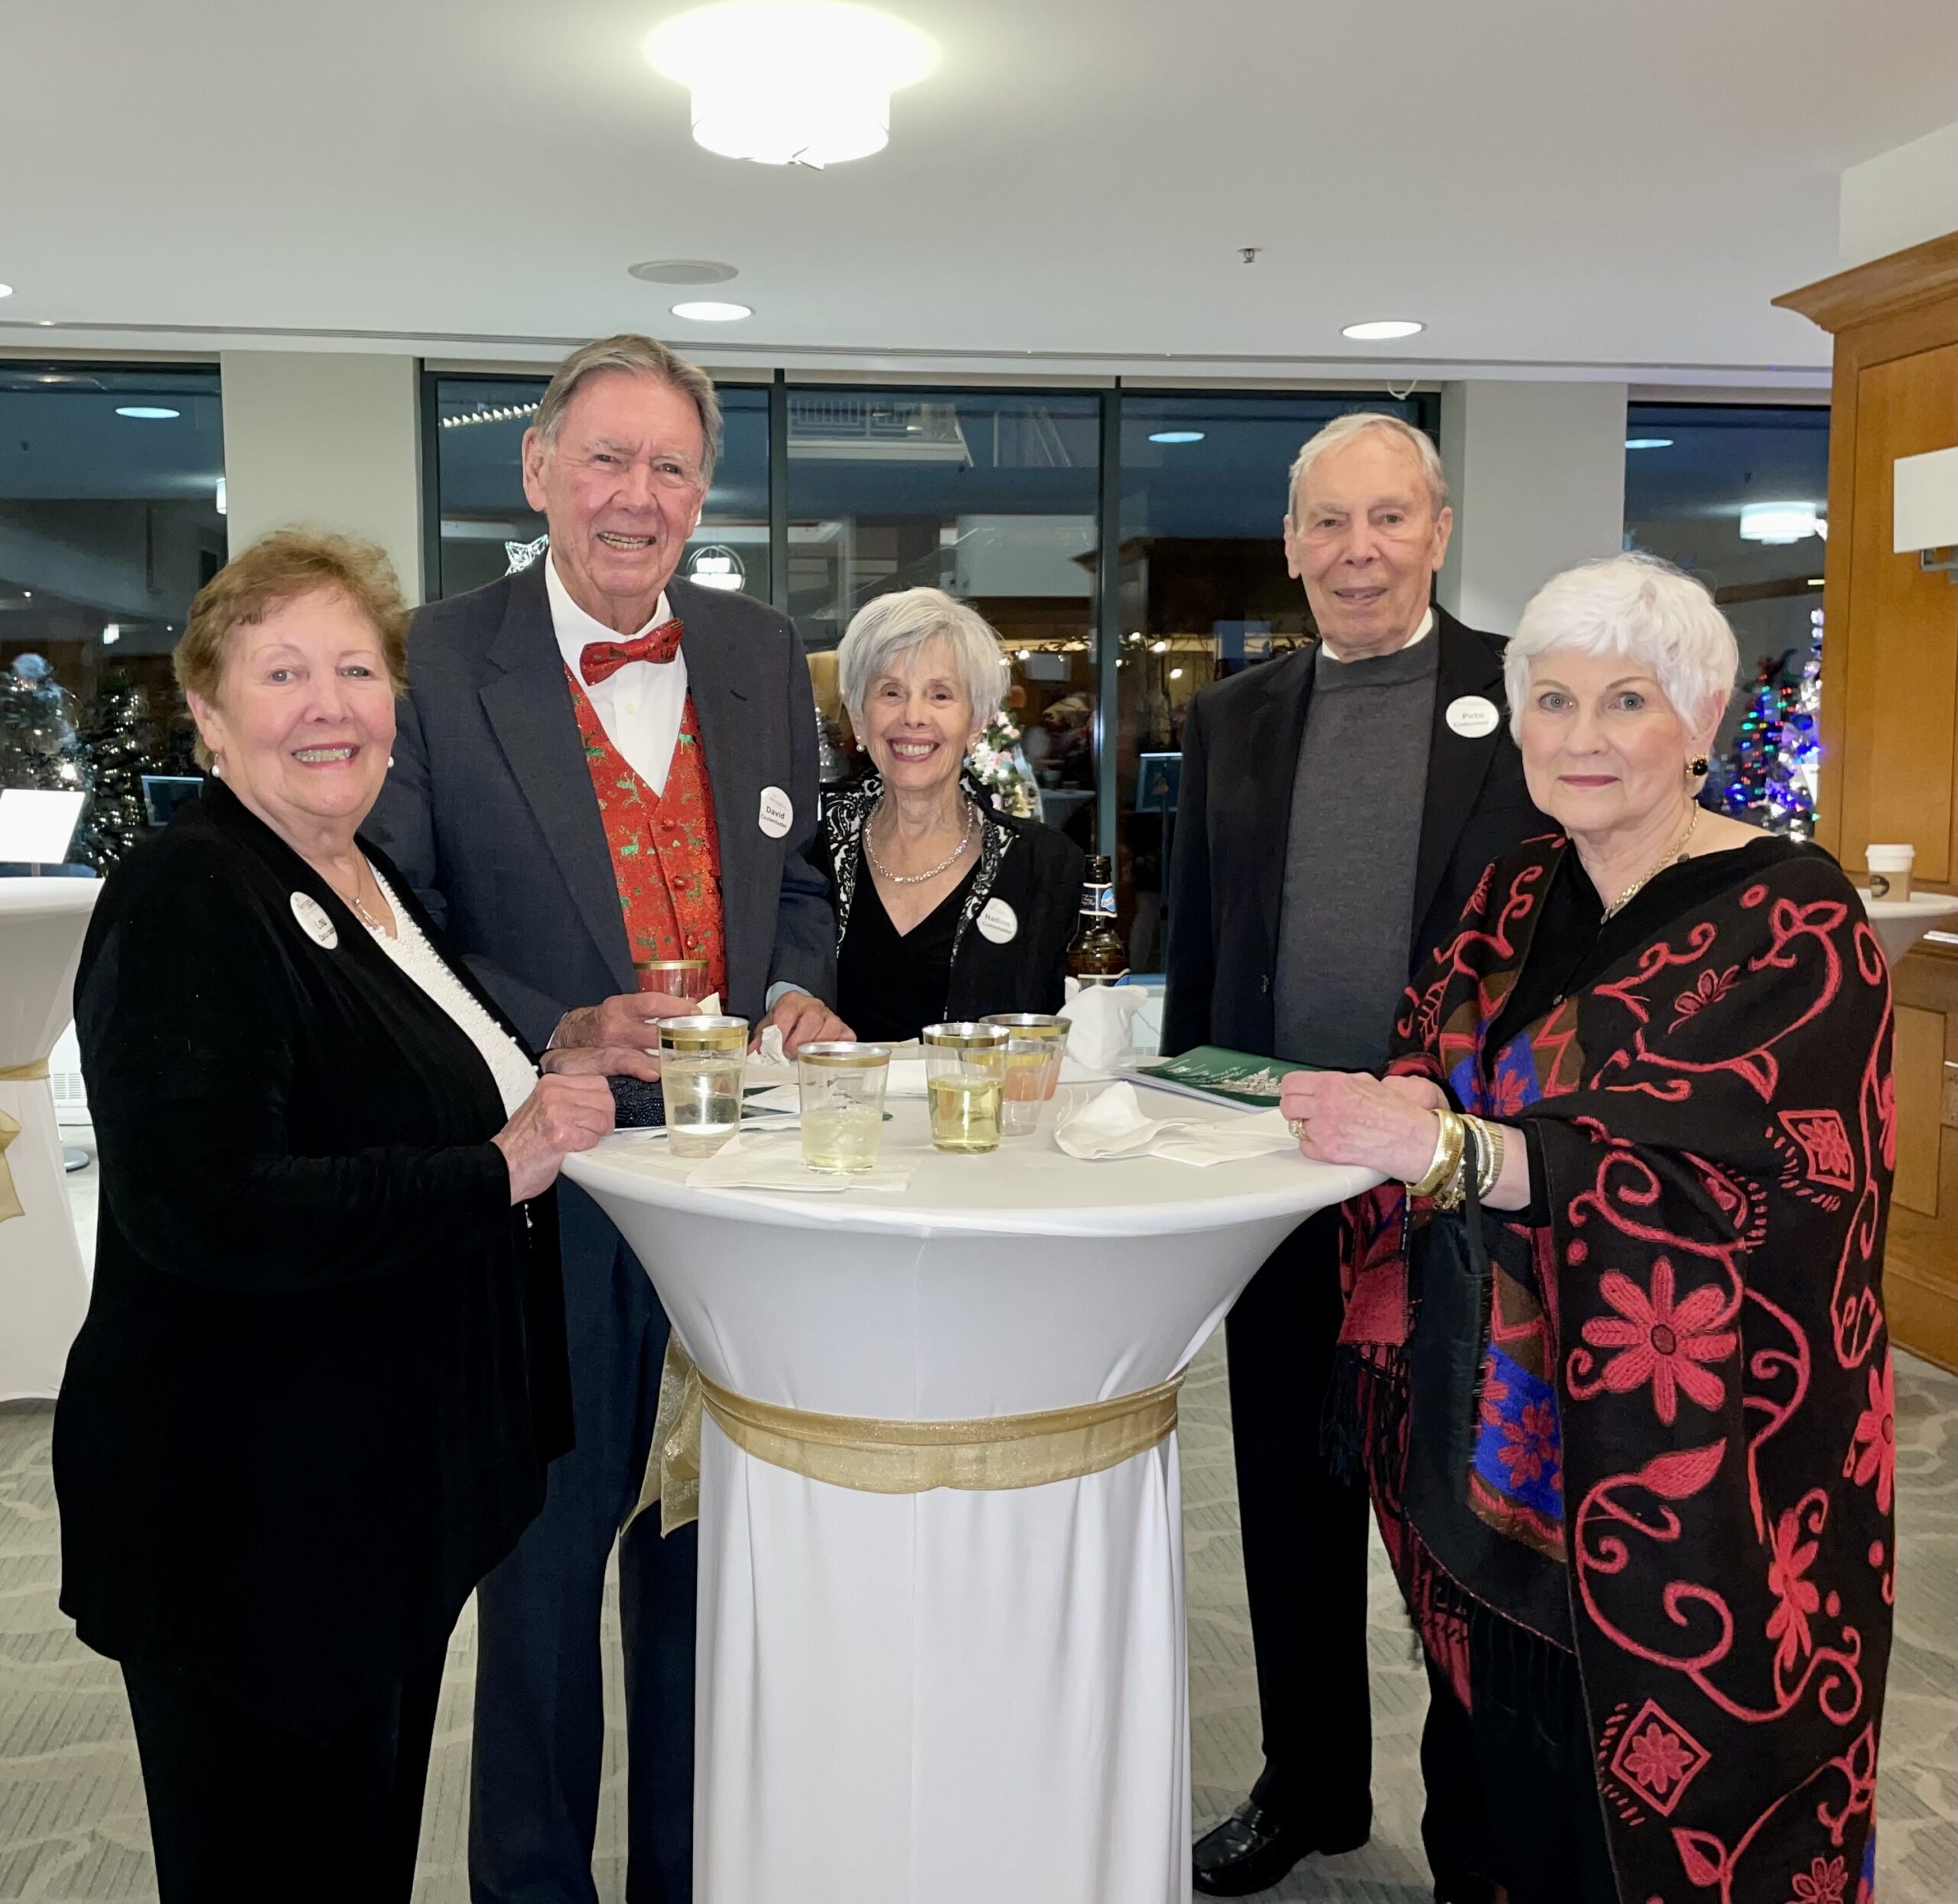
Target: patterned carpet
72	1825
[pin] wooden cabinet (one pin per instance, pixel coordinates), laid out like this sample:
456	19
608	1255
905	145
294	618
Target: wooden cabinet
1889	721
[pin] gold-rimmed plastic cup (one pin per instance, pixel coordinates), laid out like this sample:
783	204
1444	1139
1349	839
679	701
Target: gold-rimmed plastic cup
702	1061
965	1069
1035	1044
673	978
842	1086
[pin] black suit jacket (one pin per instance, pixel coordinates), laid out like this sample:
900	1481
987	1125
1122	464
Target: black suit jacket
324	1365
490	813
1030	867
1227	879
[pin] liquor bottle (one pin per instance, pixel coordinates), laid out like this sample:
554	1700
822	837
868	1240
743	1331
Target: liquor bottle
1097	956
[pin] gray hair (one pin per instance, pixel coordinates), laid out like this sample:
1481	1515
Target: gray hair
639	357
887	630
1634	605
1342	430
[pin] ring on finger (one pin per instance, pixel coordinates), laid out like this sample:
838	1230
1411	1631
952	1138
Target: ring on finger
1297	1125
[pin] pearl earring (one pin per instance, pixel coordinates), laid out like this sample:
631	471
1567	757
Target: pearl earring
391	760
217	770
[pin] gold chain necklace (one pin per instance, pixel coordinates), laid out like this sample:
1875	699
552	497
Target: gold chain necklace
366	917
1672	857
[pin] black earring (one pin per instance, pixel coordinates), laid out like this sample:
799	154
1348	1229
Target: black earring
1698	765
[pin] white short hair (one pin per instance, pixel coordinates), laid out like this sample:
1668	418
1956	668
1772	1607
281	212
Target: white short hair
886	629
1634	605
1341	430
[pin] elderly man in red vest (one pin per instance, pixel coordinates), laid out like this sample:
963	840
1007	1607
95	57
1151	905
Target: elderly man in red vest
598	764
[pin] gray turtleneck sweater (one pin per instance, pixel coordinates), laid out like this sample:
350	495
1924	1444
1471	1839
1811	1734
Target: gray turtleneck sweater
1357	796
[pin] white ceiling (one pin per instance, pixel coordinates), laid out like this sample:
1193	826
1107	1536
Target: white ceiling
1597	184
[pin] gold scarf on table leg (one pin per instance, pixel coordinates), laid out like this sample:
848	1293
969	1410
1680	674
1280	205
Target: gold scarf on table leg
10	1128
878	1457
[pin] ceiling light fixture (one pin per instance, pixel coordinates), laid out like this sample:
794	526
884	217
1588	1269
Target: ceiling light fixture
503	413
222	499
1815	581
1175	435
1648	442
6	291
1159	647
111	633
1176	673
682	271
147	412
1780	522
790	82
1379	330
709	311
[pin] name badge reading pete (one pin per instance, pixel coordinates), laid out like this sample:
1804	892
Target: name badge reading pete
1471	716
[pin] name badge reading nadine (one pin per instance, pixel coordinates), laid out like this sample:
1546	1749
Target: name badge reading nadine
997	922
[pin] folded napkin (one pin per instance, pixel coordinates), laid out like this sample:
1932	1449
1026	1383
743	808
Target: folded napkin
1099	1025
748	1162
1111	1124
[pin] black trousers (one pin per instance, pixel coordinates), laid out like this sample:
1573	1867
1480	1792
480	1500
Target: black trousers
1305	1538
242	1810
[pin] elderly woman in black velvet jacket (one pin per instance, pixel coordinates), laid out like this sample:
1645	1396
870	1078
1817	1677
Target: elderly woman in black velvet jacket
323	1371
945	908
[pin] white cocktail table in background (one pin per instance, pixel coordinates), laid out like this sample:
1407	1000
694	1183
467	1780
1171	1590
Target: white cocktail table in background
43	1284
1900	923
948	1697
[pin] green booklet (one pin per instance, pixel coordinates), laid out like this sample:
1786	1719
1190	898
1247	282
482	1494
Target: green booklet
1209	1070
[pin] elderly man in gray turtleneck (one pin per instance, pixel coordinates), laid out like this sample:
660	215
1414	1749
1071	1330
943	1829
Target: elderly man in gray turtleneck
1337	810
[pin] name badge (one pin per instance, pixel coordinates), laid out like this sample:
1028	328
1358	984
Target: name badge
997	922
778	812
1471	716
313	920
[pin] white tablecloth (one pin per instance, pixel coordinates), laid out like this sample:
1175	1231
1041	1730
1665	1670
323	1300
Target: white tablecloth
44	1285
950	1698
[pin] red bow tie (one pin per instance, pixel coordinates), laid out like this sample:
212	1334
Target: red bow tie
601	661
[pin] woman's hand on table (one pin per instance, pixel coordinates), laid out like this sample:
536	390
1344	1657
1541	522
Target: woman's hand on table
1343	1117
567	1112
803	1020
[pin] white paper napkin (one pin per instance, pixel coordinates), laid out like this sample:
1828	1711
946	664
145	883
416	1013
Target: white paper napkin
747	1161
1099	1019
1111	1124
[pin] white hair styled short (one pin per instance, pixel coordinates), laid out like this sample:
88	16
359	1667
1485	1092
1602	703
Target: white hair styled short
1342	430
1634	605
888	628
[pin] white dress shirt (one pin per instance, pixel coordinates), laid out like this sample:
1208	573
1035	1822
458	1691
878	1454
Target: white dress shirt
641	706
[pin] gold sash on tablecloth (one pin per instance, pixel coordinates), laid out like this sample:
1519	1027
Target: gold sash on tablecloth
890	1457
10	1128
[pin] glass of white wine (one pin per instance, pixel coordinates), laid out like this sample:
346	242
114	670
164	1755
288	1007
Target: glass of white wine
701	1064
843	1105
965	1068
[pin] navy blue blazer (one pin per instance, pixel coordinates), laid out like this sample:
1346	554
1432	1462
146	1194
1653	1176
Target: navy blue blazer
489	810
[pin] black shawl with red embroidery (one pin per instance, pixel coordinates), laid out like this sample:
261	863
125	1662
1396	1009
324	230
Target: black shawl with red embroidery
1658	1434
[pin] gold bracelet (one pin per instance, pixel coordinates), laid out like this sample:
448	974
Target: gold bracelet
1492	1143
1447	1162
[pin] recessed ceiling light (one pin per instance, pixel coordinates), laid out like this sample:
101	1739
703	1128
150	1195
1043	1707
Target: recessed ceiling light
682	271
1175	435
1780	522
790	82
46	323
1648	442
1815	581
708	310
147	412
6	291
1380	328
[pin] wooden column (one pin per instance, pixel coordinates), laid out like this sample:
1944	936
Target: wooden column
1889	721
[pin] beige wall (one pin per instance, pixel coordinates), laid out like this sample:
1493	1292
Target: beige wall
325	439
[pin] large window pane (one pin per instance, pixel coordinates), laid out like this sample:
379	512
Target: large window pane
111	520
991	496
480	423
1204	591
1692	473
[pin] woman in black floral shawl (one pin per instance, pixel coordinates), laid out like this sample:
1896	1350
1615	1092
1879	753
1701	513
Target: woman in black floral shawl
1627	1418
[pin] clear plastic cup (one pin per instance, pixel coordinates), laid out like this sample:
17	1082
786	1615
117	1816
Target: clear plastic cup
701	1064
1035	1043
673	978
843	1105
965	1068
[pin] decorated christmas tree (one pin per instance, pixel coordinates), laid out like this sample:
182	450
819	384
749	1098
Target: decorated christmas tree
39	747
1000	766
116	737
1769	777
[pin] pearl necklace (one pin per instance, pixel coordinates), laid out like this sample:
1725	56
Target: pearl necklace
1673	856
917	878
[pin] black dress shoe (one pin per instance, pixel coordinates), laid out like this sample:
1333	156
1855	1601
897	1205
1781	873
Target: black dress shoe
1254	1848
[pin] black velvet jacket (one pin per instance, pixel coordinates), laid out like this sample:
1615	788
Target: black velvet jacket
324	1367
1031	868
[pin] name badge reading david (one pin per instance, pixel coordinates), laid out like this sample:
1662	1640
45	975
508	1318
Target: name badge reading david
778	812
997	922
313	920
1471	716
